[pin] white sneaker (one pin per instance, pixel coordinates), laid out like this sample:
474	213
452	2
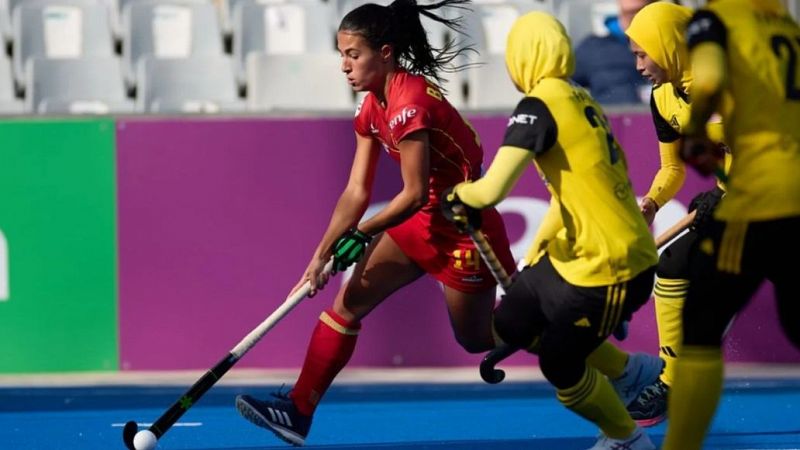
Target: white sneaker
638	440
641	371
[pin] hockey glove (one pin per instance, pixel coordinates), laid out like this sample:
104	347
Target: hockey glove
349	248
464	217
704	204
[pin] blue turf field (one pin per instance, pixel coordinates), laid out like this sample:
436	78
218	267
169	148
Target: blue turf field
763	414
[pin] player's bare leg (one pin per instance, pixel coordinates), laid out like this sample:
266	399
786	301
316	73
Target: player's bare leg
383	270
471	318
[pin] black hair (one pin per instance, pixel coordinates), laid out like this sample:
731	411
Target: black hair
399	25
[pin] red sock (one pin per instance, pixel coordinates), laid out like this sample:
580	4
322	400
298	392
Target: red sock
332	344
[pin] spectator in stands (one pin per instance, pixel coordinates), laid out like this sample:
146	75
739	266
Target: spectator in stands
604	64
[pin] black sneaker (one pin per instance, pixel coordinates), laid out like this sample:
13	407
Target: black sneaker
279	416
650	407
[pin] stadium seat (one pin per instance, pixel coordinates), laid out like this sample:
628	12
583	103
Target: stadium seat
7	8
455	87
168	30
307	82
489	86
58	31
292	27
228	9
76	86
5	22
487	25
200	84
584	17
9	104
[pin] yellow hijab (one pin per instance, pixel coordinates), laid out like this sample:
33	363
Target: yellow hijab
538	47
659	29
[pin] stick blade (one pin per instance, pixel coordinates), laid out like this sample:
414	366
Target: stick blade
128	433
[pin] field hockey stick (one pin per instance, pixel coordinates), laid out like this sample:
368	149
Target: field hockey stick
146	439
488	371
676	229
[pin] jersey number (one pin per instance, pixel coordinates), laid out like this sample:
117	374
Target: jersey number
779	43
596	120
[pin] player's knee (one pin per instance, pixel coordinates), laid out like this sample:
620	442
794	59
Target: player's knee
562	371
474	345
513	330
671	266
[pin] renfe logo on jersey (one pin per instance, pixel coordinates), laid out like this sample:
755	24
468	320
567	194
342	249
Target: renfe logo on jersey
522	119
401	118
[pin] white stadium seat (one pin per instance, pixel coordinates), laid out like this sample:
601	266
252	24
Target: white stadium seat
200	84
76	86
305	82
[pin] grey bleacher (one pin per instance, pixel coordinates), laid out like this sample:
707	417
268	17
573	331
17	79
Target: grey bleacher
257	56
583	17
168	30
490	87
9	104
310	82
49	30
199	84
292	27
5	22
91	85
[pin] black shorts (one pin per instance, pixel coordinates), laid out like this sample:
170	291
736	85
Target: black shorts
674	260
729	262
570	319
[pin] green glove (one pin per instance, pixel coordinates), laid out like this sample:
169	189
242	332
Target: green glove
349	248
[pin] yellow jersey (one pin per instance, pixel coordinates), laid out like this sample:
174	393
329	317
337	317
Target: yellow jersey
601	236
659	29
671	109
759	104
605	239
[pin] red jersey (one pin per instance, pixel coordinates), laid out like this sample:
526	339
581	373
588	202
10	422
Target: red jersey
414	104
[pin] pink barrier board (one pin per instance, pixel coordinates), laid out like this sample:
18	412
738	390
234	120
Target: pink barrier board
218	219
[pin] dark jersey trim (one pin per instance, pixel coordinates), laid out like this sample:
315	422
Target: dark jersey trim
531	127
705	26
664	130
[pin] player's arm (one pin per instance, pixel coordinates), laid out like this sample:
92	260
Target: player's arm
414	169
531	132
506	168
355	198
349	208
707	39
671	172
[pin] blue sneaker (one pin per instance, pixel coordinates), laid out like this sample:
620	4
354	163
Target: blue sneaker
641	371
279	416
650	407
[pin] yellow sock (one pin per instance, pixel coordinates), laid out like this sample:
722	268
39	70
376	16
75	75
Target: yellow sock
694	397
608	359
594	399
670	295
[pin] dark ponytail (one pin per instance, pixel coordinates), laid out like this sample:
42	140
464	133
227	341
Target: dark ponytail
399	25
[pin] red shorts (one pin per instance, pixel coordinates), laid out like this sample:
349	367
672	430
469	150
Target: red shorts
435	245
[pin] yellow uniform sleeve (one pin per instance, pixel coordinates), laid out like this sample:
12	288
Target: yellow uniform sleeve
670	175
505	170
550	226
708	70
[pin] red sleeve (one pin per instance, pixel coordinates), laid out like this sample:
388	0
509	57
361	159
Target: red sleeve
361	121
408	118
